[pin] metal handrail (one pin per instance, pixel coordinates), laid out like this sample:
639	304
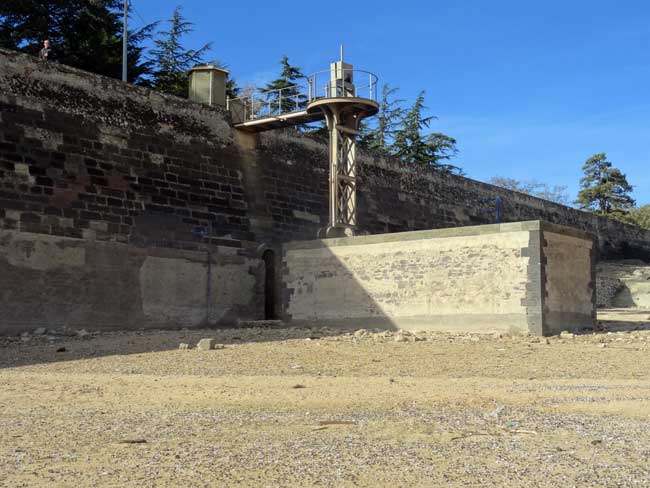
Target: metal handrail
273	103
369	88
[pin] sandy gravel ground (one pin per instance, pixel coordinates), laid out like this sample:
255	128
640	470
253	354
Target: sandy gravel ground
315	407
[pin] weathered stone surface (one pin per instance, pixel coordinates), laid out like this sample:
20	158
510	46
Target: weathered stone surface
624	284
117	285
527	277
206	344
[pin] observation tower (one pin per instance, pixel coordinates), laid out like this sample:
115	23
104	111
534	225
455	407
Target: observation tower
343	97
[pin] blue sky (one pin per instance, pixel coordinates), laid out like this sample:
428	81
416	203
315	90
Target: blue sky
529	89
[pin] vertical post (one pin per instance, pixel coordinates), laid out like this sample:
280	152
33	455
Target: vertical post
124	38
210	94
332	122
498	202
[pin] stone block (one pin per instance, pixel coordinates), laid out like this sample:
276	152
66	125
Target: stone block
206	344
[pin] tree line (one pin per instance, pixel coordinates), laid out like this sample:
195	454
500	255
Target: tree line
87	34
604	190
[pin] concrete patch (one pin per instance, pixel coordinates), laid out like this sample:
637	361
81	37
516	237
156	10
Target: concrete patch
174	290
46	253
306	216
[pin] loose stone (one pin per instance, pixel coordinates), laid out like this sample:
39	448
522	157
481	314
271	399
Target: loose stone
205	344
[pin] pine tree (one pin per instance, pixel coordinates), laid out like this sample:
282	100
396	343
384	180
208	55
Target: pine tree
441	148
409	144
604	189
86	34
378	139
232	89
171	60
414	147
291	97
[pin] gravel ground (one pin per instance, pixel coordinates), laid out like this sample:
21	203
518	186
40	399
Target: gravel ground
317	407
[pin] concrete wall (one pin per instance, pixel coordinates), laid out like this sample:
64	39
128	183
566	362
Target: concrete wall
507	277
569	282
50	281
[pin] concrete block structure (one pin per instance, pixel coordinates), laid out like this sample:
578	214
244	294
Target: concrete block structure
528	277
54	281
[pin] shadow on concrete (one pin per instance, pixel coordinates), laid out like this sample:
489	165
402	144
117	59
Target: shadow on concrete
623	319
44	349
624	298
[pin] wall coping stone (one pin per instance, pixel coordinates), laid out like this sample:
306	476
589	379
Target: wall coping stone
529	225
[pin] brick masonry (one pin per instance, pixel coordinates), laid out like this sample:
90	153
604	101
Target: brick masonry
88	157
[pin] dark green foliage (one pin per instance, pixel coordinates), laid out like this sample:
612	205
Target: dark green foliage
86	34
289	80
232	90
318	130
604	189
414	147
378	139
171	61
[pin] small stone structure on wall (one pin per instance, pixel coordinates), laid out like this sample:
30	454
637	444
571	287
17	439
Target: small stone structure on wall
528	277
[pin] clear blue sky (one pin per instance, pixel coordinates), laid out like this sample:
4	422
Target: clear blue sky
529	89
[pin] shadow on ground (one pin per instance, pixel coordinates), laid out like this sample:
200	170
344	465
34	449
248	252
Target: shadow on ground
16	352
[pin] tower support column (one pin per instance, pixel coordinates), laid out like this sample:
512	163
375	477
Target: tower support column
343	127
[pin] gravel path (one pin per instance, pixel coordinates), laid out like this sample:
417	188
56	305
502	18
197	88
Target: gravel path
315	407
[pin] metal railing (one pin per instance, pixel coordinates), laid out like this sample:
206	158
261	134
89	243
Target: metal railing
259	104
362	84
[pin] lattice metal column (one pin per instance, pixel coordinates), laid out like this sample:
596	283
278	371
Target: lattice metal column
343	125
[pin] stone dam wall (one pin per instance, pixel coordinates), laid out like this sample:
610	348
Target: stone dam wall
88	158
